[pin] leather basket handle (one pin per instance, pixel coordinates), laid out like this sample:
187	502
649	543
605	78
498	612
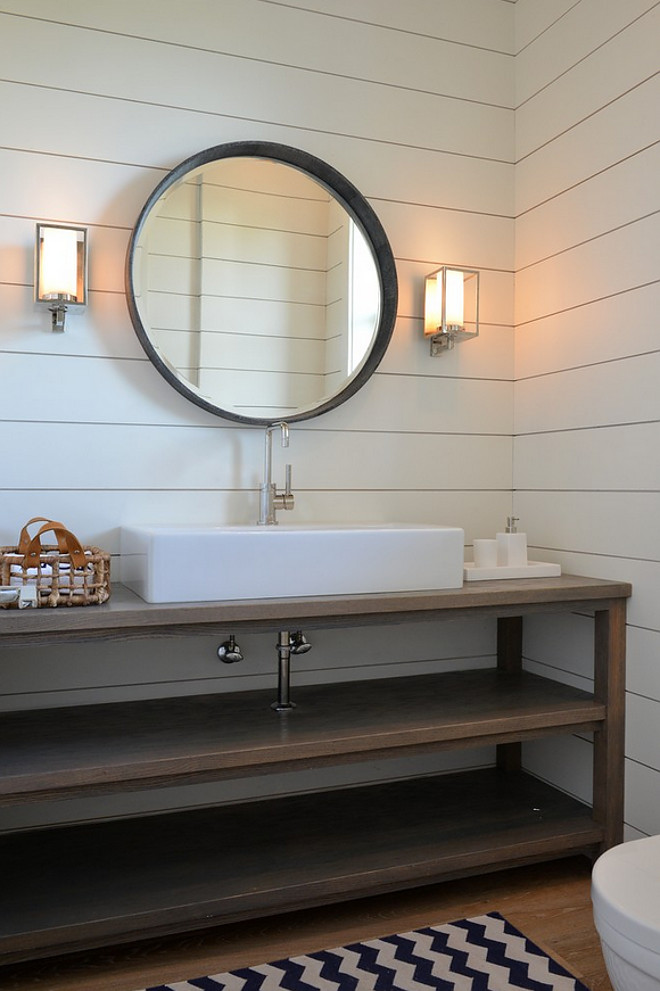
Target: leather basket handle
66	542
25	538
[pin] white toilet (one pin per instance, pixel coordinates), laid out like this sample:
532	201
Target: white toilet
625	891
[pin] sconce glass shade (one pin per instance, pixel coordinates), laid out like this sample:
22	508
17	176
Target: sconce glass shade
451	307
60	269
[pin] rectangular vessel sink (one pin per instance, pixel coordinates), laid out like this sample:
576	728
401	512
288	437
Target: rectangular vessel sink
202	564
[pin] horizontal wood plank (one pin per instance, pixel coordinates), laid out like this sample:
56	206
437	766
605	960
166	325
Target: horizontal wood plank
99	748
195	869
549	902
126	612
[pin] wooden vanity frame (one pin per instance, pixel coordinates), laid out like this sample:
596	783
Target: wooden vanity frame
70	887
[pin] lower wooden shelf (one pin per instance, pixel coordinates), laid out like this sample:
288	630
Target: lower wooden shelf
69	887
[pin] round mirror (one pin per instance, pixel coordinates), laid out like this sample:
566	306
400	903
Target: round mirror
260	283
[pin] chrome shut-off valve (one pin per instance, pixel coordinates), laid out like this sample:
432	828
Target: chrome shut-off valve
229	652
299	643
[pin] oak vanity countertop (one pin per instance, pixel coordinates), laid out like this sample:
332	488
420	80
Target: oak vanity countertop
128	612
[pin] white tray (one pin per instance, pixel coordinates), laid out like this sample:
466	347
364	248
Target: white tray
533	569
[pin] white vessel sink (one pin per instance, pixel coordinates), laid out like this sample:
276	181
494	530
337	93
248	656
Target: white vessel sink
201	564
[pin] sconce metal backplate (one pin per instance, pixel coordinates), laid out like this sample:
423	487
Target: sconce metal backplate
445	341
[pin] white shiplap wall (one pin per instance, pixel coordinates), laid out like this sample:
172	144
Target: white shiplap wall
133	107
414	104
587	412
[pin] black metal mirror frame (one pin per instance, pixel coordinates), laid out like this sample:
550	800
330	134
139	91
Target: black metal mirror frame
353	202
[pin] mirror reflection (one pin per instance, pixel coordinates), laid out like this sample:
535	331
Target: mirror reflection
259	290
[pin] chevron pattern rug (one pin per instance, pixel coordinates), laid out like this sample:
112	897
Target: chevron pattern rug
482	954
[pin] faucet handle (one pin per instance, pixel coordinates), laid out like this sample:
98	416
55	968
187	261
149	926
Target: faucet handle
286	498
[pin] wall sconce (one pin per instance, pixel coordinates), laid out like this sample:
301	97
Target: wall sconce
451	307
60	269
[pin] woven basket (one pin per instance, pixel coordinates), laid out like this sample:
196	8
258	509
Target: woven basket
65	574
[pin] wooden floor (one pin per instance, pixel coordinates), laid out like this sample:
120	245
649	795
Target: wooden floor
550	903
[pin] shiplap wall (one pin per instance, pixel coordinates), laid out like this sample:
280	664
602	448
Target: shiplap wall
414	104
436	433
587	408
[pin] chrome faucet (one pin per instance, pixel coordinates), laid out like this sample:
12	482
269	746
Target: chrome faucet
270	499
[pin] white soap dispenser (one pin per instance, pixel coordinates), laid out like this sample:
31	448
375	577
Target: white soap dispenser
511	546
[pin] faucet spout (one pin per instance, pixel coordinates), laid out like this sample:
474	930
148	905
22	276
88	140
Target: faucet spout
270	499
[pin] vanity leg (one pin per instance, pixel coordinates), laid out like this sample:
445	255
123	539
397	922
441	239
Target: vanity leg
509	658
609	741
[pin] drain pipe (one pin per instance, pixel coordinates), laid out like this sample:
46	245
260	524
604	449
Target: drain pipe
287	644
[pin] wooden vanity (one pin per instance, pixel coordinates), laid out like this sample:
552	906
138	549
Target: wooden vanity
69	887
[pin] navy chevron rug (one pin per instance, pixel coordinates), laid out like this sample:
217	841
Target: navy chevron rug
482	954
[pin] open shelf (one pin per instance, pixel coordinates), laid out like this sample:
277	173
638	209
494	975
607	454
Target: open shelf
121	880
58	753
